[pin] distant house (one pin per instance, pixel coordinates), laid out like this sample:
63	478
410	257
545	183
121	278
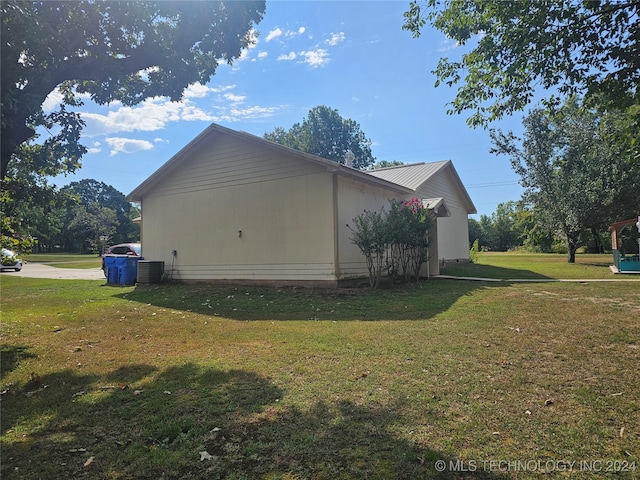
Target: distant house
439	179
234	207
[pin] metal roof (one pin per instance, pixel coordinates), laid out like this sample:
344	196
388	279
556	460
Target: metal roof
414	175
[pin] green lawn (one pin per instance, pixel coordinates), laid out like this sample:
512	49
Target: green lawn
534	266
65	260
498	380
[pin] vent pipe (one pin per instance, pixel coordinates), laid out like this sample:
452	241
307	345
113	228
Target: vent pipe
349	157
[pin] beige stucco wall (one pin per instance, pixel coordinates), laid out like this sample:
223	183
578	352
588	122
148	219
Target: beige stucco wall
353	198
453	231
282	206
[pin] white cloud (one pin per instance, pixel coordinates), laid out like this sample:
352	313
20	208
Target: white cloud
275	33
95	148
278	32
448	44
157	113
316	58
52	101
263	54
223	88
127	145
335	39
151	115
289	56
237	113
234	98
197	90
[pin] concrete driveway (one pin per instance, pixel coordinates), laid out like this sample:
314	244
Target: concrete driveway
38	270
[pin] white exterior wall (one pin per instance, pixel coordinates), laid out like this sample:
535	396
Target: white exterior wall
284	208
453	231
353	198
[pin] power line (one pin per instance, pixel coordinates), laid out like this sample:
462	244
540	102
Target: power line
496	184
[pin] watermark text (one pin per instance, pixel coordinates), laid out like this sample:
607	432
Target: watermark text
540	466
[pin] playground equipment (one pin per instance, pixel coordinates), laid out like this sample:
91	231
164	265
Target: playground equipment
624	262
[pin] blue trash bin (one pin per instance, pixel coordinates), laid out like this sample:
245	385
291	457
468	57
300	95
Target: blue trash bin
112	269
128	270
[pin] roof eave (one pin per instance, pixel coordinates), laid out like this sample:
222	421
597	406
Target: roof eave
334	167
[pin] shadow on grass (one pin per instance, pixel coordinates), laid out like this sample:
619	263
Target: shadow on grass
490	271
416	301
11	356
194	422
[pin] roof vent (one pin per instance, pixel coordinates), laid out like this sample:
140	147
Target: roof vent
349	157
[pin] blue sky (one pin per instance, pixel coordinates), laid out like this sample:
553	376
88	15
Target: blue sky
352	56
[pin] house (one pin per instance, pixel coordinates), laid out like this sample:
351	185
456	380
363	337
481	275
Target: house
234	207
439	179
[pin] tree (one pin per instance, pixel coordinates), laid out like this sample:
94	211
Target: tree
385	164
581	47
475	232
408	223
110	51
326	134
573	177
371	236
96	198
86	225
396	241
31	209
506	227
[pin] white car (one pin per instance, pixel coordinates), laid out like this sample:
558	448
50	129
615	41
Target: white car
10	261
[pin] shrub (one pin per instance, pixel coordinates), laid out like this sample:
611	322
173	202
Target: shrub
474	253
371	236
397	241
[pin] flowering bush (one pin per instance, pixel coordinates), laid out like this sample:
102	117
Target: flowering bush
371	236
396	241
409	222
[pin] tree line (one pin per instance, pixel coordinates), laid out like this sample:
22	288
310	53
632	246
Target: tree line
82	217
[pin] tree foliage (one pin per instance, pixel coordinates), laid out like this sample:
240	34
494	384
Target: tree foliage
370	235
394	241
31	209
574	179
102	211
499	231
41	216
110	51
386	164
511	226
579	47
326	134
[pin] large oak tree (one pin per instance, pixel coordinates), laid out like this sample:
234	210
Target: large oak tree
574	178
584	47
111	51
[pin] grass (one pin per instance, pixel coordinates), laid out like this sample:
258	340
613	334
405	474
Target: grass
138	382
534	266
64	260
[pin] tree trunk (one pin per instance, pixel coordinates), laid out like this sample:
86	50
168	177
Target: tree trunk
598	242
572	246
